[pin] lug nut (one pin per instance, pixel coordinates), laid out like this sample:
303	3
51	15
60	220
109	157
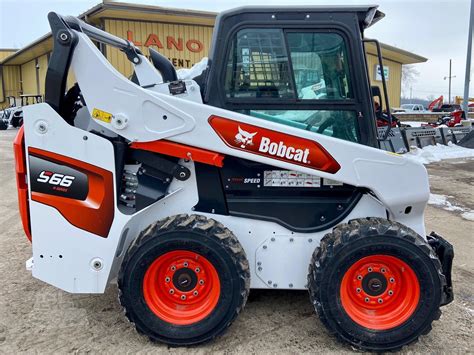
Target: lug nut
392	280
367	299
197	269
201	282
185	264
359	277
195	293
183	297
380	300
171	291
358	290
369	269
173	268
167	279
390	292
382	270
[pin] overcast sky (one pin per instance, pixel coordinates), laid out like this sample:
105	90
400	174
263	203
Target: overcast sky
434	29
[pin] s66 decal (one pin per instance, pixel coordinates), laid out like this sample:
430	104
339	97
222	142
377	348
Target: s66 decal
273	144
57	179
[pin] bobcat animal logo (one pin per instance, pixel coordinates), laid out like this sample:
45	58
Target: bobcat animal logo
244	138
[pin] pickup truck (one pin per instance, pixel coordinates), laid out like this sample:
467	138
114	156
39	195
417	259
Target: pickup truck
409	108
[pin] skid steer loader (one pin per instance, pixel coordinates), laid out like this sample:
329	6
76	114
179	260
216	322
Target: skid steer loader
263	172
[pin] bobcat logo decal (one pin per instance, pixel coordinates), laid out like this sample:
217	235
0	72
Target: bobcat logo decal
244	138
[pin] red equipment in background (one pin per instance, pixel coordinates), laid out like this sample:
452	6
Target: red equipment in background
436	103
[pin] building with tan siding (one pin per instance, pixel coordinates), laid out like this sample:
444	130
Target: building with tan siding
184	36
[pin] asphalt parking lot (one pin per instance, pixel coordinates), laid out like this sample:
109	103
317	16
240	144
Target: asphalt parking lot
36	317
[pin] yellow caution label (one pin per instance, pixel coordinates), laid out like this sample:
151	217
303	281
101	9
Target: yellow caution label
395	154
101	115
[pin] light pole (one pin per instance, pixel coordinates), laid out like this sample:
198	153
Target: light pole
467	78
449	77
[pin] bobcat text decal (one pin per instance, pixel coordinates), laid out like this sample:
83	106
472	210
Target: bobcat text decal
273	144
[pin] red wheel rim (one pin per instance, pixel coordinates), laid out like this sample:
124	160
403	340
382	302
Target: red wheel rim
380	292
181	287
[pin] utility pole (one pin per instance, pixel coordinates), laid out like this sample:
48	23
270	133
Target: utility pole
467	78
449	79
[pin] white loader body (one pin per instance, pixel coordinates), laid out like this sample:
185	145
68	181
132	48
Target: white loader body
79	261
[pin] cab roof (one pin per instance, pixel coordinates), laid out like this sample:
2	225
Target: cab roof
366	14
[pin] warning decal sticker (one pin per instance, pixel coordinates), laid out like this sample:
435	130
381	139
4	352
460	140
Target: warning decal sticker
282	178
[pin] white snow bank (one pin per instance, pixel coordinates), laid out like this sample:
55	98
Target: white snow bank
195	70
442	202
438	152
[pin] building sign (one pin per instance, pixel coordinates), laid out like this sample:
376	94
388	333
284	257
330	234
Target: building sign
163	42
378	74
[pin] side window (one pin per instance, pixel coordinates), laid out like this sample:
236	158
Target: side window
258	65
320	65
262	63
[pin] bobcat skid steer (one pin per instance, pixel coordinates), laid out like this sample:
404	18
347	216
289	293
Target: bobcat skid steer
263	172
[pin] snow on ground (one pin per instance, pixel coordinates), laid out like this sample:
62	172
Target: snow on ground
442	201
413	123
438	152
468	215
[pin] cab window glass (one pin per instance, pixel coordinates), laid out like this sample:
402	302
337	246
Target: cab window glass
320	66
258	65
337	124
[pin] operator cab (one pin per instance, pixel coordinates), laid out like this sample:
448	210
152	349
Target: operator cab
303	67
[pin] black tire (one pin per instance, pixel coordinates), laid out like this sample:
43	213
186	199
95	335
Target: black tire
17	121
362	238
196	234
3	125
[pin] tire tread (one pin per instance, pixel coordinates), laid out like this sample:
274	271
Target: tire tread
347	232
212	229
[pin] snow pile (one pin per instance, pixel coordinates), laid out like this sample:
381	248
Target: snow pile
442	201
438	152
195	70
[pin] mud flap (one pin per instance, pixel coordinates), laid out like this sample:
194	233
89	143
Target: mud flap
445	252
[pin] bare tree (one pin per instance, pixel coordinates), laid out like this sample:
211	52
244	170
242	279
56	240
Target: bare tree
409	75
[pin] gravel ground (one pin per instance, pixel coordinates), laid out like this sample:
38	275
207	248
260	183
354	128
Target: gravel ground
35	317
